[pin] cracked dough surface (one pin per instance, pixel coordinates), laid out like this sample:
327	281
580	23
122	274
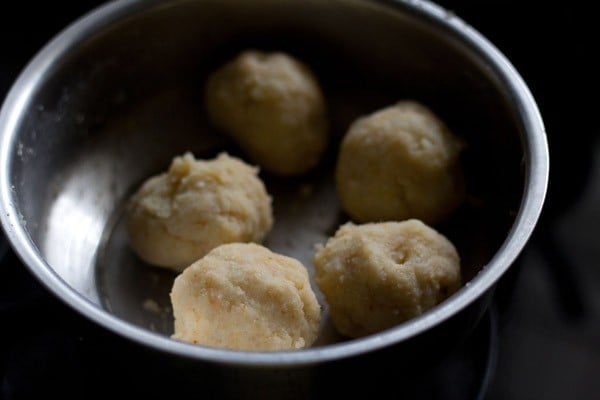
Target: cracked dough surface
243	296
375	276
398	163
271	104
177	217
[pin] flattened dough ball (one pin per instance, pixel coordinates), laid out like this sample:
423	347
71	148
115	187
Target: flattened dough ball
243	296
398	163
272	106
375	276
177	217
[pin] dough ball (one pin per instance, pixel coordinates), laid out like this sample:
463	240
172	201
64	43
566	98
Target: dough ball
375	276
177	217
243	296
272	106
398	163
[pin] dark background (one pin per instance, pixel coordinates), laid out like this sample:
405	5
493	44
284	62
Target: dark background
549	345
550	341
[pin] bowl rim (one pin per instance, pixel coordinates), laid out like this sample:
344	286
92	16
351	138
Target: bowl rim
536	181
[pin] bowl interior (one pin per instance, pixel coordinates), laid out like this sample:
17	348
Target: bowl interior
125	97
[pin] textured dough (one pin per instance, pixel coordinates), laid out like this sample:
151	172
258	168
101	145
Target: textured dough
377	275
243	296
177	217
272	106
398	163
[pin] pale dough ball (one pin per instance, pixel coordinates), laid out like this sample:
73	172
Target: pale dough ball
243	296
375	276
272	106
177	217
400	162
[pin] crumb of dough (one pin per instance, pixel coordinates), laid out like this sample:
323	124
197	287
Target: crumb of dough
398	163
151	306
271	104
177	217
375	276
242	296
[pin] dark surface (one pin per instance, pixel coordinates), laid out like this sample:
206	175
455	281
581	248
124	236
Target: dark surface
549	321
550	339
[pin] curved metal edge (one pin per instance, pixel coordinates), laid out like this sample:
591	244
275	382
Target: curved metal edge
531	205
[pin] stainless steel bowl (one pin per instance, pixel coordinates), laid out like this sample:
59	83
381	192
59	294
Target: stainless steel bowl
116	95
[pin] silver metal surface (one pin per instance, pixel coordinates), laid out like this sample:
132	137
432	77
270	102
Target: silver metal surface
116	95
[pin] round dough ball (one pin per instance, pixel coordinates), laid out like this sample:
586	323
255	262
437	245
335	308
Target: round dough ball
272	106
398	163
177	217
375	276
243	296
